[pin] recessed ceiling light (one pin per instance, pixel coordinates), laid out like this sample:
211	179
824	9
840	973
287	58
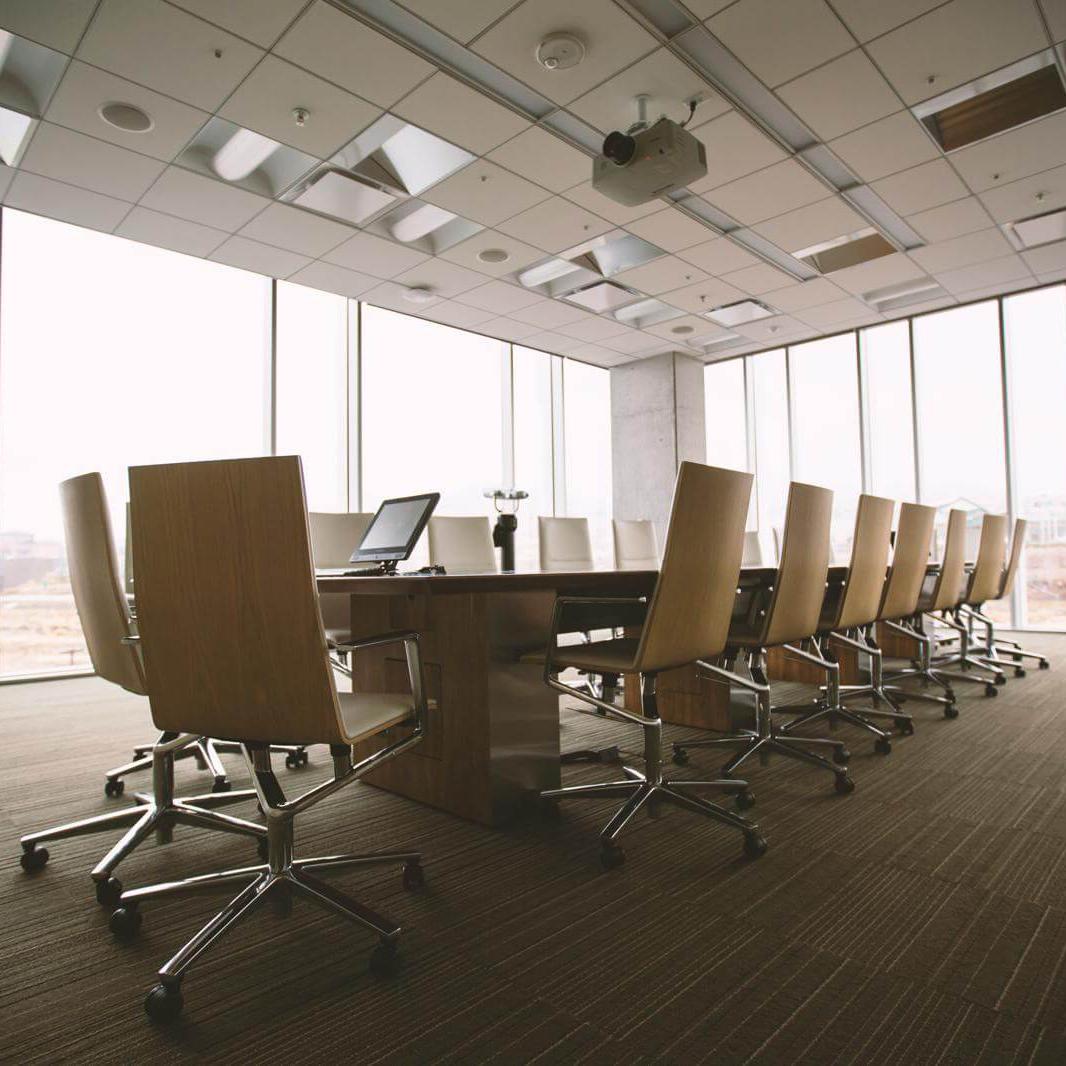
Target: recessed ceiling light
494	255
1040	229
419	294
647	312
740	313
682	329
244	152
339	195
423	220
602	296
893	297
126	117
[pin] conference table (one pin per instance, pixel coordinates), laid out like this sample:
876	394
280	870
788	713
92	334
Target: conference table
492	742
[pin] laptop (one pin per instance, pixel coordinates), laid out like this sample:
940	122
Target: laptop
390	538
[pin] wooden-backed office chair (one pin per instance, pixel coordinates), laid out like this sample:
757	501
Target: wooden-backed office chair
994	648
983	582
753	550
848	619
102	608
790	617
234	646
565	544
636	546
462	544
685	621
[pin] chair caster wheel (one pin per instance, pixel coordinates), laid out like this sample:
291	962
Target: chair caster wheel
1019	671
295	760
221	785
841	756
754	845
883	746
384	959
611	856
844	784
414	877
114	786
608	756
1001	679
109	892
680	757
951	711
991	690
33	859
906	729
1044	664
163	1003
125	922
744	800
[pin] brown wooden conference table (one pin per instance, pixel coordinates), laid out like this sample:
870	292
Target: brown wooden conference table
493	737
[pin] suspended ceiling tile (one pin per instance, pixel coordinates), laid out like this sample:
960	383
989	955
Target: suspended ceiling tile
806	294
779	41
169	50
678	330
459	114
841	96
544	158
55	25
951	220
871	18
508	329
703	296
296	230
166	231
485	193
885	147
598	356
758	279
601	205
259	21
84	90
735	147
955	43
1047	258
960	251
994	273
612	38
877	273
499	297
451	313
594	328
719	256
548	314
461	19
921	187
267	98
518	254
56	152
704	9
441	278
546	341
7	175
828	315
670	229
1055	13
347	52
811	225
1015	154
660	275
773	330
373	255
42	196
555	225
260	258
335	279
768	192
179	192
631	342
664	78
1028	196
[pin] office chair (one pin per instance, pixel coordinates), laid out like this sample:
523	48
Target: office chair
233	641
994	648
788	619
984	581
462	545
101	602
686	620
848	618
636	546
753	552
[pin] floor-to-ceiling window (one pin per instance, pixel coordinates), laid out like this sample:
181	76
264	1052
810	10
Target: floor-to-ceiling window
827	450
312	397
888	410
1035	335
769	385
114	354
531	391
587	429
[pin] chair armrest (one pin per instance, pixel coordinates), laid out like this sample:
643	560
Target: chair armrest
581	614
395	637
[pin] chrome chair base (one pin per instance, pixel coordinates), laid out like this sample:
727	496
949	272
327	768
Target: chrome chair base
156	813
924	672
970	668
999	652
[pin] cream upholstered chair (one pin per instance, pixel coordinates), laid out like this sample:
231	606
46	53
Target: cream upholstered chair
686	621
790	618
848	619
462	545
101	602
224	577
994	648
334	536
635	545
565	544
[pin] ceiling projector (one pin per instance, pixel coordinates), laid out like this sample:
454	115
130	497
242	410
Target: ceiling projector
638	166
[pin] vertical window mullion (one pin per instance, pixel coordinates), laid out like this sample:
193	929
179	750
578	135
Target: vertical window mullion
558	437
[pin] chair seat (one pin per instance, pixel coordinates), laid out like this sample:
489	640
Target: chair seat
601	656
338	635
365	713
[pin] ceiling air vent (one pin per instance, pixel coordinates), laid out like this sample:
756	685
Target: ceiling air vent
647	312
893	297
740	313
1038	230
602	296
1000	101
846	251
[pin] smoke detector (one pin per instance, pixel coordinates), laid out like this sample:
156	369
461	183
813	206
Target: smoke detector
560	51
419	294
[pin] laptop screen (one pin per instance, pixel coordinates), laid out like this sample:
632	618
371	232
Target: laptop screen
395	529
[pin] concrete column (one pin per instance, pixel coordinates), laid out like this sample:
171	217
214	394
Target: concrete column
656	422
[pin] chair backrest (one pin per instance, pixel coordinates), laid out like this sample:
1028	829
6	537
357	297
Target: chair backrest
777	537
565	544
462	545
753	553
799	590
948	590
910	556
127	569
688	616
334	536
99	595
987	576
865	583
227	610
1017	543
635	545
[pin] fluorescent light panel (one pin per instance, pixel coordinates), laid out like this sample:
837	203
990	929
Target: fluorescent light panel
341	196
848	251
1038	230
15	130
602	296
740	313
647	312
